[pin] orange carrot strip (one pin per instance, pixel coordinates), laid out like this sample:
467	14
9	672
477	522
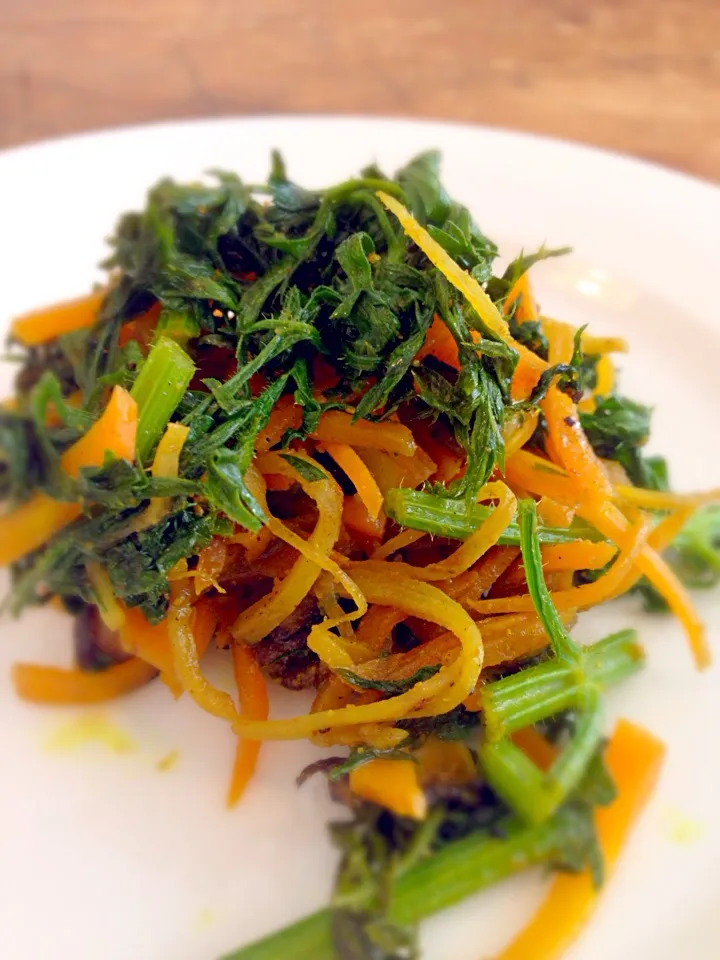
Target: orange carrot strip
356	471
357	519
393	470
522	292
568	438
377	625
664	500
578	555
114	432
535	746
286	415
604	383
554	514
393	784
40	326
518	431
337	427
440	343
538	476
210	565
255	705
401	540
634	758
606	587
34	522
595	344
151	642
613	525
55	685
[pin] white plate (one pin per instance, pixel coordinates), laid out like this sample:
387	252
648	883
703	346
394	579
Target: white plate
102	855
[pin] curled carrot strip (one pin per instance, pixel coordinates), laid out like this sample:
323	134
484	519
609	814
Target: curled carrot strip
338	427
607	587
476	544
613	525
354	468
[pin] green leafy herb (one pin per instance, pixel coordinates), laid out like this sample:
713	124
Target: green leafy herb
389	688
307	470
617	430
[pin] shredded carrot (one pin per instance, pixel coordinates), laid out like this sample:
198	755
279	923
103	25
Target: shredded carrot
593	344
664	500
445	761
393	784
440	343
356	471
338	427
401	540
141	328
41	326
286	415
254	704
554	514
606	587
604	384
210	565
357	519
578	555
518	430
55	685
613	525
564	431
394	470
634	758
114	432
38	519
535	746
377	625
522	293
151	642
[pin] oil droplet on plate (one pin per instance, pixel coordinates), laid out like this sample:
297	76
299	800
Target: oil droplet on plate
168	761
680	828
89	728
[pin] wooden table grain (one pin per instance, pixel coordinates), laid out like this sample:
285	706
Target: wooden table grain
641	76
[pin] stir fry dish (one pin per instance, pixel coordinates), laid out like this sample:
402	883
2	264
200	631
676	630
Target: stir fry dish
321	432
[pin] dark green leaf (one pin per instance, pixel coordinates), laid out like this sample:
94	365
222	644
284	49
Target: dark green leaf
308	471
389	688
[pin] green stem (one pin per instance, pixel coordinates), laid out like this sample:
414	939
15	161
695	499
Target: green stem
526	697
159	388
445	878
562	643
538	692
535	795
457	519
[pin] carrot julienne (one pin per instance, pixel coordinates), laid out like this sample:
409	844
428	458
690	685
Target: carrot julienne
254	704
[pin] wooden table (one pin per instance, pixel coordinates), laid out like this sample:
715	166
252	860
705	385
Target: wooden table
642	76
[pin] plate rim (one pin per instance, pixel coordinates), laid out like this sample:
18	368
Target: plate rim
581	150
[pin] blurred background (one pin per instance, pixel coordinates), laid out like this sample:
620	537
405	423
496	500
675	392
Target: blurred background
641	76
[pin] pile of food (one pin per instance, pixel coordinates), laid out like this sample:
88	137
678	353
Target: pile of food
317	430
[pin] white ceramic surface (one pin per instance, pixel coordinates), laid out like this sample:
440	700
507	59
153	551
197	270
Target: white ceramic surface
102	855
